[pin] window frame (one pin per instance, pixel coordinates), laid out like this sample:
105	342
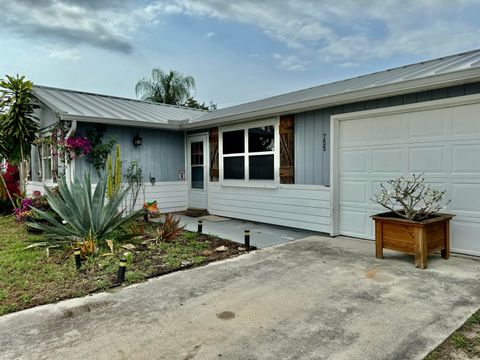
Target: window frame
246	182
43	160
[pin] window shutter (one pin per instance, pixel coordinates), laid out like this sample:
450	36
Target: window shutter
213	138
287	145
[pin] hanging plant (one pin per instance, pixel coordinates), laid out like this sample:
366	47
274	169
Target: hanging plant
100	150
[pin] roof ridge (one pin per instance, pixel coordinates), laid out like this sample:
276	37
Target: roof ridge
117	97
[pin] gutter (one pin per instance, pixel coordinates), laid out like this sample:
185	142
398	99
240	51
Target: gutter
171	125
72	130
70	165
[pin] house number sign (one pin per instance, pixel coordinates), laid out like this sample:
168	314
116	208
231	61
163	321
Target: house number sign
181	175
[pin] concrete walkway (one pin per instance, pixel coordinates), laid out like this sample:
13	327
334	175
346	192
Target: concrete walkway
316	298
261	235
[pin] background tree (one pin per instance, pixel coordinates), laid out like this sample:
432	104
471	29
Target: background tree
18	123
170	87
192	103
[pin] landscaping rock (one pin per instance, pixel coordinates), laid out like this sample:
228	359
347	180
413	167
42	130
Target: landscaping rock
222	248
186	263
240	248
207	253
128	247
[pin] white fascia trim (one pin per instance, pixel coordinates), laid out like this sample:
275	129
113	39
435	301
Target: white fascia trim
123	122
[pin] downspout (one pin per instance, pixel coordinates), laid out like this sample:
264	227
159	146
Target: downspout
70	165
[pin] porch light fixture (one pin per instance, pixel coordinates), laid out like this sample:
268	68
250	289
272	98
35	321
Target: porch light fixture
137	140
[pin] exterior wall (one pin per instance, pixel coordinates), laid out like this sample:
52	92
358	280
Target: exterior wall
312	159
46	116
299	206
161	155
34	186
170	196
312	164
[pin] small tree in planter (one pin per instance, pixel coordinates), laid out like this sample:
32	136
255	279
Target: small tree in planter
414	224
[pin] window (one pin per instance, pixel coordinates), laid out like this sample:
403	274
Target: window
48	161
248	154
196	162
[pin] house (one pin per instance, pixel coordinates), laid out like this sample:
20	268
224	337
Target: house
308	159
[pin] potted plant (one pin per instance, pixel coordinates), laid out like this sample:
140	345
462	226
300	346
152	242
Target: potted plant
413	225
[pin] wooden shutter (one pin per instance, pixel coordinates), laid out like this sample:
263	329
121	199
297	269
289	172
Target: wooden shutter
214	169
287	147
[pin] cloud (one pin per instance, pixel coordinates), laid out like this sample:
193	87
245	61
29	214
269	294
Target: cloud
340	32
210	34
64	54
105	24
348	64
290	62
350	31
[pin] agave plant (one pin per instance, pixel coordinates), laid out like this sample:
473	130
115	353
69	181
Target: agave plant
84	213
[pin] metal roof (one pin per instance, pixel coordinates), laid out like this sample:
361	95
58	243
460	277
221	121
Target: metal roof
442	72
84	106
424	75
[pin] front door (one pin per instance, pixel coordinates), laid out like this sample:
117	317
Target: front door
197	171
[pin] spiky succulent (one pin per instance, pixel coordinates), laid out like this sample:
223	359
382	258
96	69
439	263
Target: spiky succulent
83	211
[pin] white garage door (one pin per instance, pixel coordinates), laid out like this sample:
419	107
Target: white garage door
441	141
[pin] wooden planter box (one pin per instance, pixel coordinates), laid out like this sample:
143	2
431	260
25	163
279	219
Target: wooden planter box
418	238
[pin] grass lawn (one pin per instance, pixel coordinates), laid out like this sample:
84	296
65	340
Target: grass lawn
31	277
462	344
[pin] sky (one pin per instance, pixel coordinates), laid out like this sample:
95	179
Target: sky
237	51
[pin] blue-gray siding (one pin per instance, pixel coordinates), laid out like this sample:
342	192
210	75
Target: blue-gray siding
312	164
162	153
312	159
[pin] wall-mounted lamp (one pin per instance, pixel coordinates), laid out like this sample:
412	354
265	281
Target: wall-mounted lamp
152	179
137	140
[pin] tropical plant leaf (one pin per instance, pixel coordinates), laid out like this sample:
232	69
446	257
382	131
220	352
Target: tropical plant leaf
86	214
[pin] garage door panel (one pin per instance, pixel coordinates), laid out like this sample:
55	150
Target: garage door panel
465	197
465	237
426	159
353	221
354	192
354	132
427	125
444	144
463	124
354	161
387	161
390	129
466	159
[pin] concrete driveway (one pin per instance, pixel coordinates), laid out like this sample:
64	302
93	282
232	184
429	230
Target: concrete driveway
316	298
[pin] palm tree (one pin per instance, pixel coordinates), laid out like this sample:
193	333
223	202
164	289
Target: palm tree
18	125
170	87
